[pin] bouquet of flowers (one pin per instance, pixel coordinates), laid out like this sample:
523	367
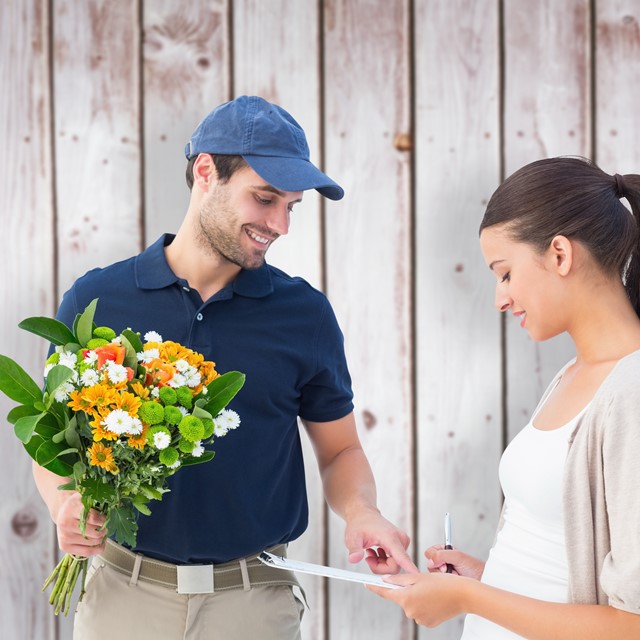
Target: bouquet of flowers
117	417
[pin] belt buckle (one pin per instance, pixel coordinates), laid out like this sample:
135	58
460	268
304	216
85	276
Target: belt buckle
195	578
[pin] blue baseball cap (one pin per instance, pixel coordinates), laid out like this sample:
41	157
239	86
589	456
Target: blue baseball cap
271	142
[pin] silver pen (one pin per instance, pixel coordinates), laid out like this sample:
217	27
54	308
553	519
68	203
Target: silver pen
447	537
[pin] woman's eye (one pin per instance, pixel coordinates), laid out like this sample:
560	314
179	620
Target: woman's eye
506	277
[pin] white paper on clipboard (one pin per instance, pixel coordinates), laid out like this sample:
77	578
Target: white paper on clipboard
279	562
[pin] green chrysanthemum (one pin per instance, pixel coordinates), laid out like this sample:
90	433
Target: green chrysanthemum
168	396
106	333
54	358
209	426
186	446
185	398
168	456
94	343
172	415
151	412
191	428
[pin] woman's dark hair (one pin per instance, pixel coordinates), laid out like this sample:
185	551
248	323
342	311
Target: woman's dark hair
573	197
226	166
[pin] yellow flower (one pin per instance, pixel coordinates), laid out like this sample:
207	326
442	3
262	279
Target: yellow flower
127	402
101	456
140	390
98	430
92	399
139	441
172	351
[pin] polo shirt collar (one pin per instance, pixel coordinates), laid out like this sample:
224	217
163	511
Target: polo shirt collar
153	272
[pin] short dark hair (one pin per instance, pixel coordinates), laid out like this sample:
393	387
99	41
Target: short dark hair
225	166
573	197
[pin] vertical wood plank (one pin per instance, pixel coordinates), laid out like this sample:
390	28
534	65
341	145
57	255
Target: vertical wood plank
368	269
97	129
617	76
186	74
547	113
26	199
97	140
458	353
289	76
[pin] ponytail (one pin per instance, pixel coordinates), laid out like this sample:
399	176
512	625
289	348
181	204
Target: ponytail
628	187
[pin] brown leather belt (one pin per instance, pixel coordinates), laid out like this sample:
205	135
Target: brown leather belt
239	574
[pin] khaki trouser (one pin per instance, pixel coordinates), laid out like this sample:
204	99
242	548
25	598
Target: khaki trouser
112	607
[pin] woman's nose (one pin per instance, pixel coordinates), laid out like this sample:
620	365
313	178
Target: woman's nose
503	301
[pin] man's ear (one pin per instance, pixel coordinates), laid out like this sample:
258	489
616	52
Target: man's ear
204	172
560	255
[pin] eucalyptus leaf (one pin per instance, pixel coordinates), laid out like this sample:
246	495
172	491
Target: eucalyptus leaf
84	329
16	383
222	390
49	328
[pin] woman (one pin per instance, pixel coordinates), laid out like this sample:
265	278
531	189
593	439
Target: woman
566	562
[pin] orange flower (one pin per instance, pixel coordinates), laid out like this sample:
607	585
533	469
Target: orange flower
113	351
101	456
159	373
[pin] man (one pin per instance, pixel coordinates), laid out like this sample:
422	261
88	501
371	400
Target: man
210	289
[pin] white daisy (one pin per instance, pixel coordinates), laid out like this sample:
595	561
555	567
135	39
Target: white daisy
198	449
62	392
148	355
175	465
135	427
152	336
91	357
89	377
116	372
229	418
219	428
178	380
155	392
182	365
118	421
161	440
192	377
68	359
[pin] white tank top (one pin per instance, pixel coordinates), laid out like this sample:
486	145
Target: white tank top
529	556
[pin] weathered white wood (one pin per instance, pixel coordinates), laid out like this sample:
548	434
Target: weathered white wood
97	139
458	351
289	76
186	74
617	76
26	263
368	270
97	133
546	113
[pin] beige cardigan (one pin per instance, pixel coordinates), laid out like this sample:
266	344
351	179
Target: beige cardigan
602	493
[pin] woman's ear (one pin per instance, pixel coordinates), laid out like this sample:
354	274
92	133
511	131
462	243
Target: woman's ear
204	172
560	255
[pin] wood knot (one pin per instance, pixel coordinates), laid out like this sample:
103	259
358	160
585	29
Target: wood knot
369	419
24	523
403	142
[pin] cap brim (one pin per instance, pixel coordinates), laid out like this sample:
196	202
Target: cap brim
294	174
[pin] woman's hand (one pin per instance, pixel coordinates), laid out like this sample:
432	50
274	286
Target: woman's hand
463	564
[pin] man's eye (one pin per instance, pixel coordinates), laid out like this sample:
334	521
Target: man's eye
263	200
506	277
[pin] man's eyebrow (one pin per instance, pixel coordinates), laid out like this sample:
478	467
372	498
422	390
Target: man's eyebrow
494	263
272	189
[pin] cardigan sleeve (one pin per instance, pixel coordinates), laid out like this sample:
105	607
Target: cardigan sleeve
620	573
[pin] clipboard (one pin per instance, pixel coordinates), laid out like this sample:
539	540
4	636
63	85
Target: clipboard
278	562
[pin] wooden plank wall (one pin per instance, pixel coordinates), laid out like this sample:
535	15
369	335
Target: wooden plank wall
419	108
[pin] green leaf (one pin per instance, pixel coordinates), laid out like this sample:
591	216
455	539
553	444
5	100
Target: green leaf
49	451
16	383
69	486
25	426
134	340
74	347
130	357
21	411
205	457
151	493
201	413
57	376
140	503
121	523
222	390
48	328
98	490
56	465
85	323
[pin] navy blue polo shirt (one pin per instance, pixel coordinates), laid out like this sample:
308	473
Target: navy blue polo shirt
279	331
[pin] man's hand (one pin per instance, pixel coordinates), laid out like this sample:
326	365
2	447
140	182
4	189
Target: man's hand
70	538
385	545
